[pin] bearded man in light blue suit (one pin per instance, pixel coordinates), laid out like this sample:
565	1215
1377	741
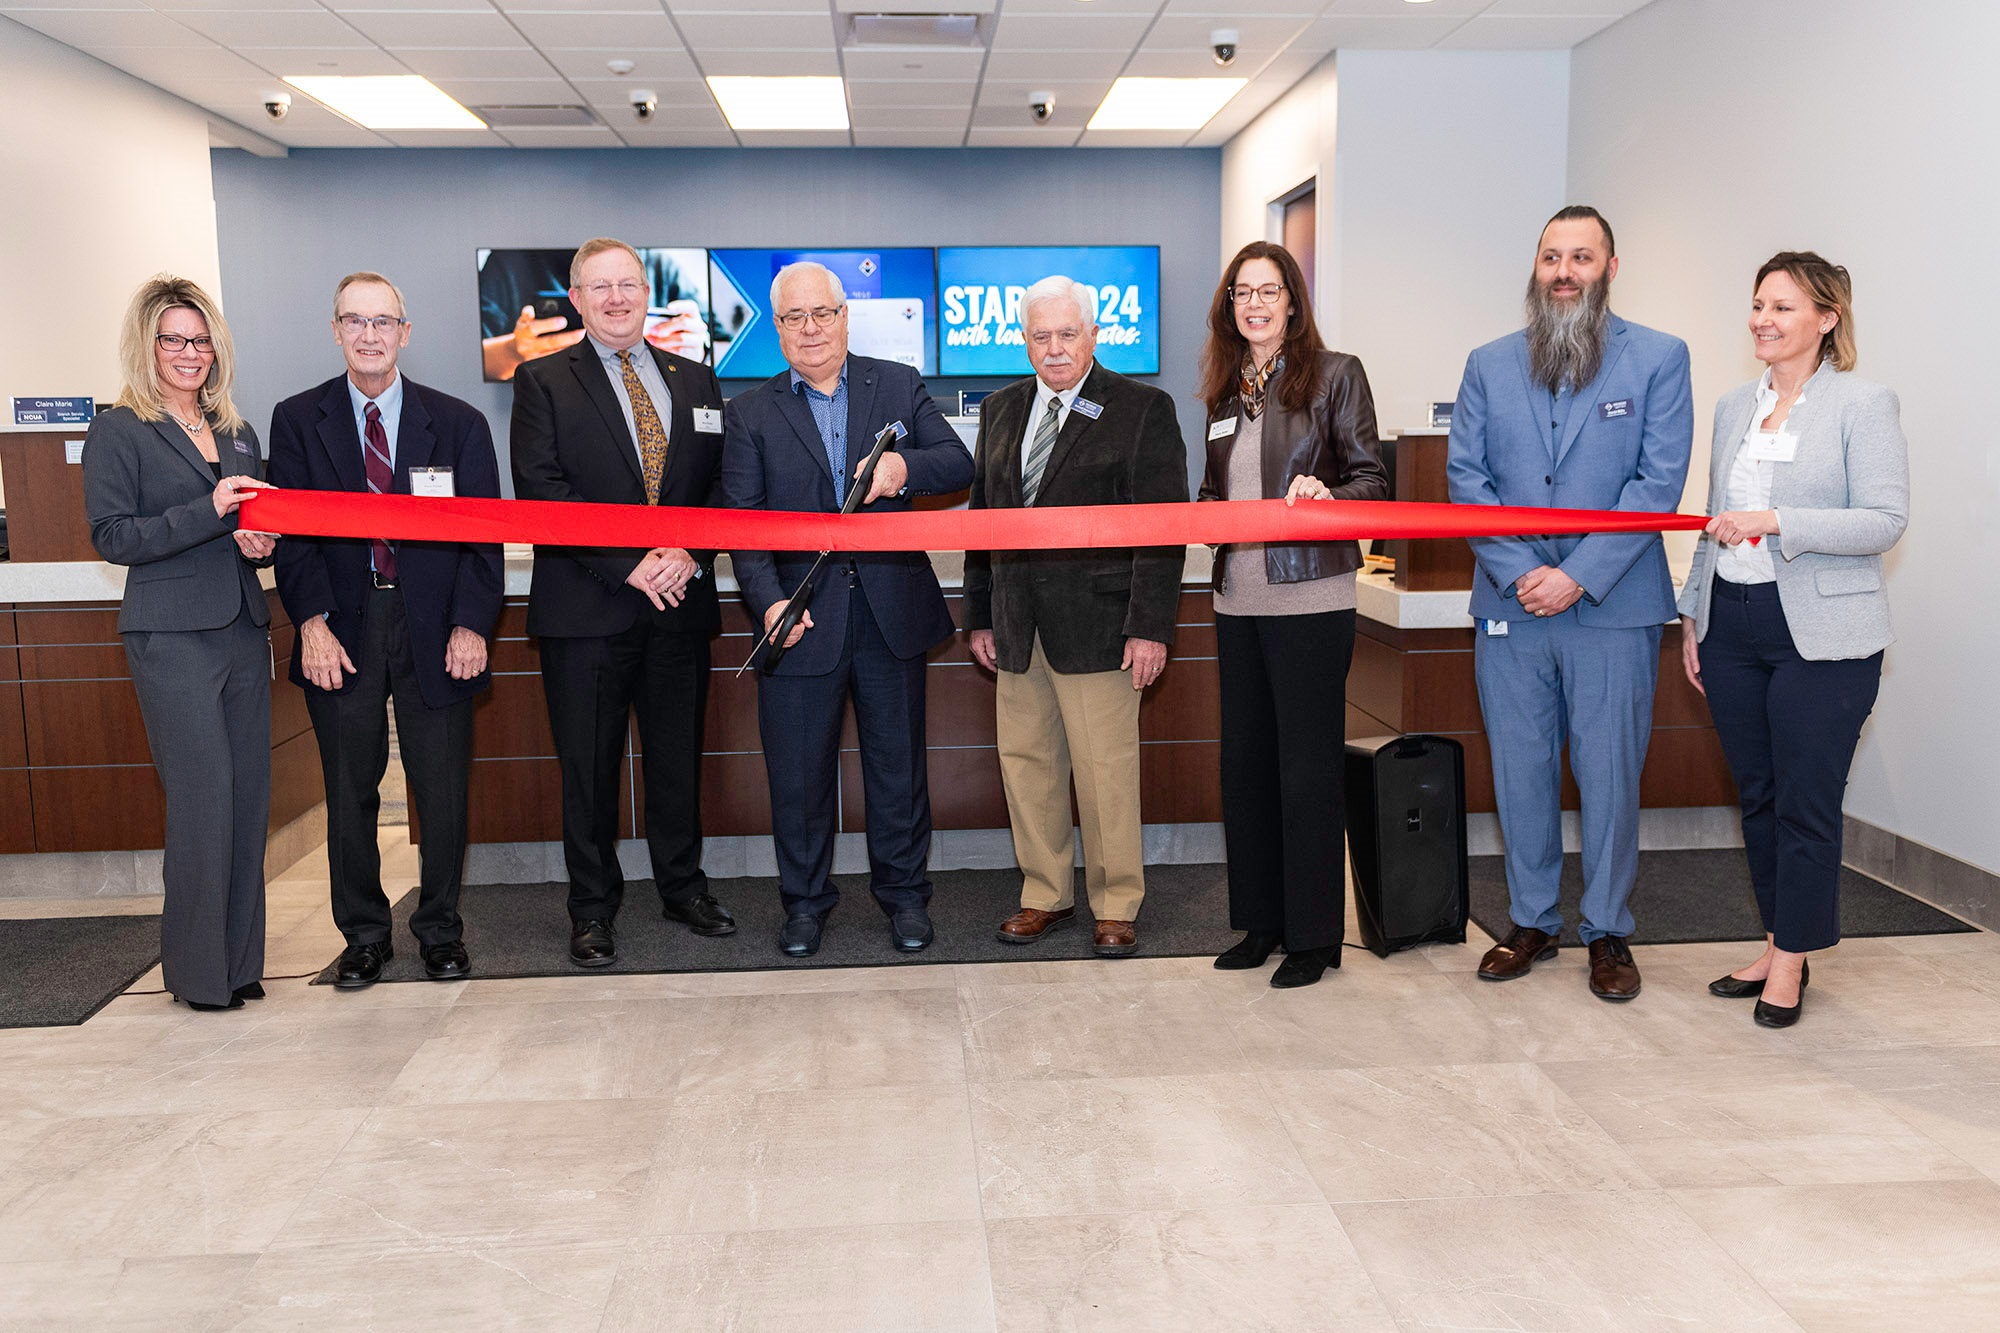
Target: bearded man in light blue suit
1579	410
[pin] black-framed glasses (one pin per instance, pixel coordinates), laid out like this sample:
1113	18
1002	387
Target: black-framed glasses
821	315
355	325
1268	294
631	289
173	342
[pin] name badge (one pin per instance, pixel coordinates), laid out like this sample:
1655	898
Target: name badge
1088	408
1777	447
708	420
242	446
902	431
1495	629
1222	429
431	481
1613	410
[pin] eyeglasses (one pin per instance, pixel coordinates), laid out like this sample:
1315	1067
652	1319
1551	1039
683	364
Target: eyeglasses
173	342
1268	294
355	325
629	289
1043	337
820	315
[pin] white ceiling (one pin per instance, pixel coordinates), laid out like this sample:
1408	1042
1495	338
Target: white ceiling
225	55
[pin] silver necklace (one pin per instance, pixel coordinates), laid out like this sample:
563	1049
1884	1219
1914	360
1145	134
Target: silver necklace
195	428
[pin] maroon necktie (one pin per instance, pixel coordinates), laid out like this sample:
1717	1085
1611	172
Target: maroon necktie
381	476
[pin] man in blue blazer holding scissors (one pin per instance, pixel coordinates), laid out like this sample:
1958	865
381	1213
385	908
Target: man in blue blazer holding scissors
798	441
1579	410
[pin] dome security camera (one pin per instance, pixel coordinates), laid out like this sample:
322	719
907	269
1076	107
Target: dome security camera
1223	41
277	105
1041	106
644	103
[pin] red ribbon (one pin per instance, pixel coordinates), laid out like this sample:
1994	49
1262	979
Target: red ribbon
302	513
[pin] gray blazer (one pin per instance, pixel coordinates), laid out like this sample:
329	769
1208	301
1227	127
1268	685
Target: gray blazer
148	495
1842	501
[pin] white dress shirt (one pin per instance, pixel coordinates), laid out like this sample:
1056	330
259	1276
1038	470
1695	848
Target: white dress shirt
1748	489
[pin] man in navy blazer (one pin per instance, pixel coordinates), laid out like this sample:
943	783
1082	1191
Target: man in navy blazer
1579	410
796	442
378	621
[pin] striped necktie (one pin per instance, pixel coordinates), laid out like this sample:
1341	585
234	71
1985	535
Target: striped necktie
1037	460
381	478
652	435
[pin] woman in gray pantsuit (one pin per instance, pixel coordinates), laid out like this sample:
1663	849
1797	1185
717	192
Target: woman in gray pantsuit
163	473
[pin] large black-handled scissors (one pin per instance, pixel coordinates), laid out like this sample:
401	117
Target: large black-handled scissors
801	596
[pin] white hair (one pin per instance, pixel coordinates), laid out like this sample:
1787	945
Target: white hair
826	274
1056	287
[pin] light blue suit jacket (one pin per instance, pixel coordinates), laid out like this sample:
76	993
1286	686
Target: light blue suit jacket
1621	443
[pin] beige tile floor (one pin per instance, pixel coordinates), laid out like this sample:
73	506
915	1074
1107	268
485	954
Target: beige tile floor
1071	1147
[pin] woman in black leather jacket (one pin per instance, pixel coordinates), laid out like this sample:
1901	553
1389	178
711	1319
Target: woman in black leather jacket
1286	418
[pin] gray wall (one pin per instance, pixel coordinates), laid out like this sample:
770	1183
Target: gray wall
289	228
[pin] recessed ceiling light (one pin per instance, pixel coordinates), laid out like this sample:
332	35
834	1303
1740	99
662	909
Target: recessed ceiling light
1163	104
387	101
801	102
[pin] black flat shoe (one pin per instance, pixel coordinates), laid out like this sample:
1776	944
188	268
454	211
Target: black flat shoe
361	965
447	961
1733	988
591	944
1248	952
253	991
235	1002
700	914
1304	967
799	937
1776	1016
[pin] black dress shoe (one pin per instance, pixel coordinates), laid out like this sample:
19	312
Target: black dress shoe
591	944
910	929
700	914
799	937
361	965
447	961
1733	988
235	1002
1304	967
1248	952
252	991
1770	1015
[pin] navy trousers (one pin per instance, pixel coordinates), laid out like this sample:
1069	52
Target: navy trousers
1788	727
799	718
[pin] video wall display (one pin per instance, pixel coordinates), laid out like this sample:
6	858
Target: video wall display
980	290
953	311
891	306
525	312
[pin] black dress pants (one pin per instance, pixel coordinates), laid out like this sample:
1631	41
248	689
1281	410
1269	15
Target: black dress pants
1284	739
593	685
1788	727
352	729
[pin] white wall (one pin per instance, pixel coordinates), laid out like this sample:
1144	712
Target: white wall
1714	133
107	183
1437	170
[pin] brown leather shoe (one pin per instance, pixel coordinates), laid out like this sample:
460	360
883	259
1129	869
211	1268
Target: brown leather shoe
1114	939
1613	974
1517	954
1031	923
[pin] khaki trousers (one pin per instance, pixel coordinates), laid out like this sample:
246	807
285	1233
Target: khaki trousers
1052	726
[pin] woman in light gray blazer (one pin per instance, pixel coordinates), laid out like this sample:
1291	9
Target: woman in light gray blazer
163	473
1784	616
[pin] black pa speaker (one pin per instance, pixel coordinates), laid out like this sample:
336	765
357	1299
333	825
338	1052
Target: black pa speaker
1406	833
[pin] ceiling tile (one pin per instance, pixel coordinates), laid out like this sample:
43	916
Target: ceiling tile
86	29
1068	32
793	138
171	6
650	138
947	93
1365	32
617	93
905	6
479	64
594	136
284	60
242	27
1293	8
445	139
778	29
1046	66
1525	34
1027	138
351	137
1040	8
921	138
909	118
1133	139
566	6
1149	63
647	66
683	118
432	30
777	63
1563	8
1256	37
1011	96
1070	115
571	32
864	63
1400	8
185	64
478	6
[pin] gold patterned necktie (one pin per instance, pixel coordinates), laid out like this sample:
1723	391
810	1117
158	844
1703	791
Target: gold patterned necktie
652	435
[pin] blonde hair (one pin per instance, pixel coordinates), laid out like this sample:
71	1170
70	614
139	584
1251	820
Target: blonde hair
141	368
1828	287
365	276
597	245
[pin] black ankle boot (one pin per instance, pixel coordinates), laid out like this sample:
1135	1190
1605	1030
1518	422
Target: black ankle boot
1304	967
1248	952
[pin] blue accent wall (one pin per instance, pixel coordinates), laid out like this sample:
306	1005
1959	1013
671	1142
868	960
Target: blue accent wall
289	228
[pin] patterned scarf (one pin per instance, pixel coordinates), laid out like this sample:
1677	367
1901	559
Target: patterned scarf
1255	381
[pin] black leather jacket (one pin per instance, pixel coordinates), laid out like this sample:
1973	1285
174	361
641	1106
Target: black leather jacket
1334	438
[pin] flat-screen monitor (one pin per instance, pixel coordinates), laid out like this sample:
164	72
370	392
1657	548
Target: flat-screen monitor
979	306
525	311
891	306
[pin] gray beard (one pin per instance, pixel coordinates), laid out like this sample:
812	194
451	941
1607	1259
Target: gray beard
1566	342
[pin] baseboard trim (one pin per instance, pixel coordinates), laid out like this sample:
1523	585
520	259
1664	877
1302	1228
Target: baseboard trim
1967	891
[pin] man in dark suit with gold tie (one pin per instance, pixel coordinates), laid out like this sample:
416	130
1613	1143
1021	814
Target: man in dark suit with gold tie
613	420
